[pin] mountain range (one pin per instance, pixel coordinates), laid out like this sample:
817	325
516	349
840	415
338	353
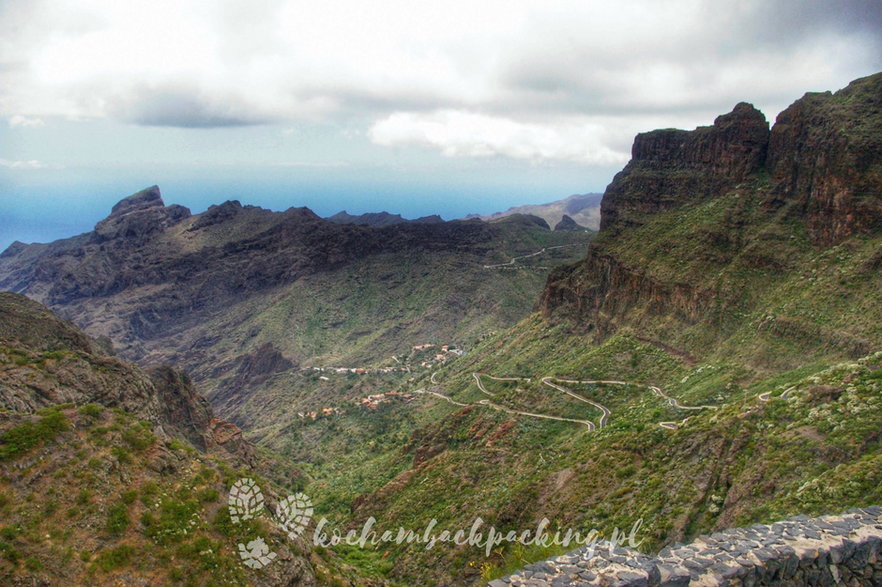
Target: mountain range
379	219
581	209
711	358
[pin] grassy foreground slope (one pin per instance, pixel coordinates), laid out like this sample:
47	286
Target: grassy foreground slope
110	474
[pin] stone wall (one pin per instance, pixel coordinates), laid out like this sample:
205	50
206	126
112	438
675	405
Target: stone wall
831	550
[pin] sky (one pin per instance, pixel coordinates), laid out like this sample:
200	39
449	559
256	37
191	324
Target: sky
411	106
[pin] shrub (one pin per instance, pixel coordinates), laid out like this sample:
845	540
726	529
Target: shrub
176	519
114	558
149	490
84	497
138	438
91	410
117	519
208	495
121	455
9	552
17	441
9	532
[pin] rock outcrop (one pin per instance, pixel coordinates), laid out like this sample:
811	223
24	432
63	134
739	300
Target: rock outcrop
817	175
669	168
138	216
567	223
825	154
246	372
48	361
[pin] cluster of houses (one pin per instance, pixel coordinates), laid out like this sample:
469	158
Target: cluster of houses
445	352
372	401
358	370
324	412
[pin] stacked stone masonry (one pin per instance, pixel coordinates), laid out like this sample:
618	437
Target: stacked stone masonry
831	550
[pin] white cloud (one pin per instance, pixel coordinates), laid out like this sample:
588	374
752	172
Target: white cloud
31	164
542	72
18	120
467	134
312	164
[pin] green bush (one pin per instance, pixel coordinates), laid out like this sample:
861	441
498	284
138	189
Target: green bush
122	455
17	441
114	558
208	495
9	532
138	438
84	497
91	410
149	490
9	552
176	518
117	519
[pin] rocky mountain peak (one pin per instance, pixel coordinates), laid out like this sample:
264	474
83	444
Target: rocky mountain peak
146	198
567	223
743	113
138	216
821	155
670	167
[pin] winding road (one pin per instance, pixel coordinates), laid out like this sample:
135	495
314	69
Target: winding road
489	404
604	418
555	383
676	404
673	425
767	396
514	260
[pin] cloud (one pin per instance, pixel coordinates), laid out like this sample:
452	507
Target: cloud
182	106
32	164
466	134
420	71
313	164
18	120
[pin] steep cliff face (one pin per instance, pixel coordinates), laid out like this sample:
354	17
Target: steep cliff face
727	220
608	293
669	168
825	154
